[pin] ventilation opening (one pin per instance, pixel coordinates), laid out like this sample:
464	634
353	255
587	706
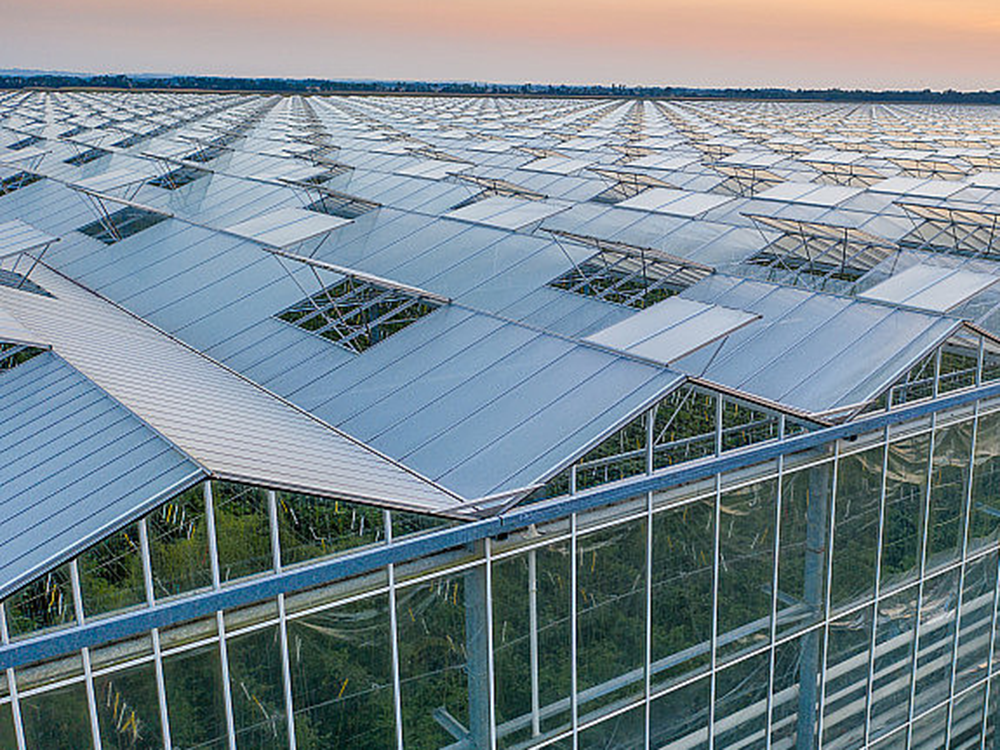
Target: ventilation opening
358	314
178	178
12	355
18	181
204	155
85	157
18	281
627	275
342	205
31	140
121	224
73	132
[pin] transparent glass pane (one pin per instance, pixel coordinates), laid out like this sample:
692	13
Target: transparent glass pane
795	701
242	530
128	709
45	603
313	527
514	579
439	634
746	566
57	718
195	699
342	677
936	640
178	545
855	536
846	690
805	513
967	720
626	731
405	524
111	573
8	738
741	704
683	550
929	732
257	689
949	488
895	633
681	717
984	519
611	614
905	496
978	592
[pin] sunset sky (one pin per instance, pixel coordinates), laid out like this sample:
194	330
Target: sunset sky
848	43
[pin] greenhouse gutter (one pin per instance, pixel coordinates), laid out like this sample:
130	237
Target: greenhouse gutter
352	564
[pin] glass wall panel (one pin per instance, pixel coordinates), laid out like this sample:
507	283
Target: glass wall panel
128	709
805	511
683	550
312	527
46	602
984	519
978	592
967	720
8	738
257	689
514	579
896	741
681	717
855	536
949	489
405	524
242	530
57	719
929	731
178	544
905	496
342	677
746	566
991	738
111	573
935	640
895	634
611	614
741	704
795	703
195	698
626	731
846	689
438	631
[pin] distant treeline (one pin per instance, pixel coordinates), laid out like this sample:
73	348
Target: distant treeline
315	85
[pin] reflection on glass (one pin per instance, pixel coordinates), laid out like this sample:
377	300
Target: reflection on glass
57	719
313	527
895	632
805	512
795	700
611	614
846	688
746	566
257	689
438	634
342	677
978	591
111	573
681	716
128	710
967	720
855	536
626	731
936	640
905	496
195	698
741	704
949	488
984	518
242	530
683	550
178	544
928	733
46	602
537	580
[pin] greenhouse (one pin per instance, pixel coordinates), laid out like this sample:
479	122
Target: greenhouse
460	423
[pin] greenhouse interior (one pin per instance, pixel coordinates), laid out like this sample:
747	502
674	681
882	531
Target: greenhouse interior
495	422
